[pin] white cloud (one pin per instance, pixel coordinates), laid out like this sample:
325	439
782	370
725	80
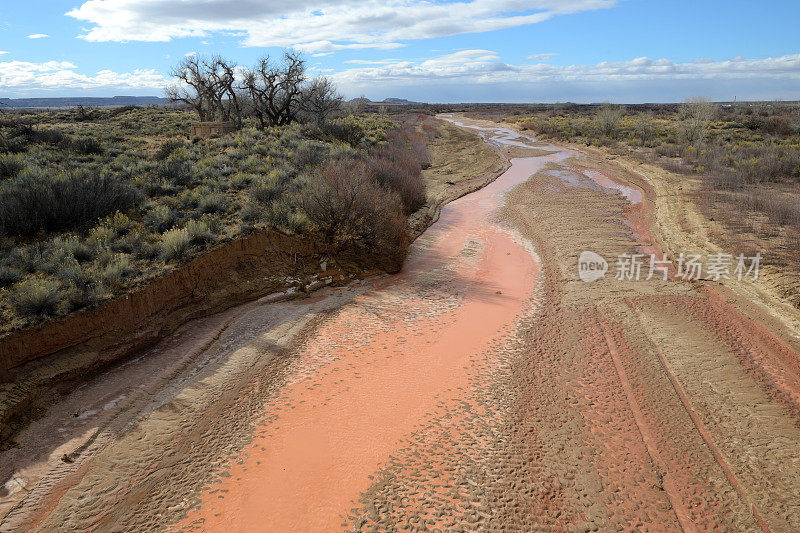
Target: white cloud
541	57
484	66
3	52
38	36
62	75
314	26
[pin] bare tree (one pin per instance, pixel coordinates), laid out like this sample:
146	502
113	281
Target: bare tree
321	99
207	85
276	90
224	91
608	118
696	114
275	93
193	87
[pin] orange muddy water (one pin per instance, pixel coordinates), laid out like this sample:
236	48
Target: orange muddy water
377	368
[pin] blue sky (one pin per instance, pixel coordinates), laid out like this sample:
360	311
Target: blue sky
438	51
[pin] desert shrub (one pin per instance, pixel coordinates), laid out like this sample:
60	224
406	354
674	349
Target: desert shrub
343	131
116	268
176	171
34	202
309	154
212	203
419	148
399	172
160	218
80	250
643	129
608	118
241	180
10	166
117	111
79	296
101	236
85	146
283	214
175	244
166	149
199	232
348	209
265	191
251	212
35	298
119	223
777	125
397	166
131	243
9	276
696	114
26	258
27	134
753	122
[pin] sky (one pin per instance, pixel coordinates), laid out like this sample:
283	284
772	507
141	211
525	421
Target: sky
622	51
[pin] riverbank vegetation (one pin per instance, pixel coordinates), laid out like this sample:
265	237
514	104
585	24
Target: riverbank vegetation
745	158
95	202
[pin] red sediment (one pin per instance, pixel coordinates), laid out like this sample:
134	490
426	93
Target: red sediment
362	391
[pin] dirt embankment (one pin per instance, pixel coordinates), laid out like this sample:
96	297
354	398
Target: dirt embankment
679	225
39	364
461	163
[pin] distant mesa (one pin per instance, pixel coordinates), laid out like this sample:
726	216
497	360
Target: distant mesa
398	101
82	100
385	101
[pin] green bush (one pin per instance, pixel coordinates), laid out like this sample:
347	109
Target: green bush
212	203
160	218
119	223
176	171
115	269
10	166
343	131
199	232
166	149
34	202
35	298
9	276
175	244
85	146
79	250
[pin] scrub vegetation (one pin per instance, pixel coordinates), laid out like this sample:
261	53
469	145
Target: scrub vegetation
94	202
745	156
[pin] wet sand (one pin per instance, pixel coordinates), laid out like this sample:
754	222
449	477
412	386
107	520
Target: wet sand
372	376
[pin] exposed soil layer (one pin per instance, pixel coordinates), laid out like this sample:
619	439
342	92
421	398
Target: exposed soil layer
38	365
484	387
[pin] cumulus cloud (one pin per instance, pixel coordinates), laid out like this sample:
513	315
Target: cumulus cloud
62	75
314	26
37	36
